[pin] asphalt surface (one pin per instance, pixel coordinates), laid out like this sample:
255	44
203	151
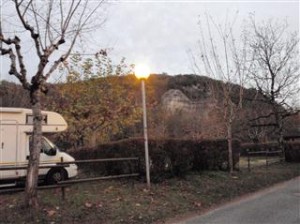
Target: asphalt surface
276	205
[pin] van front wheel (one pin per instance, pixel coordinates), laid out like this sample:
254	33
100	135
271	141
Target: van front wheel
56	175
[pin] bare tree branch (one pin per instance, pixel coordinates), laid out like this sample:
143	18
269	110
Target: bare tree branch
35	36
47	34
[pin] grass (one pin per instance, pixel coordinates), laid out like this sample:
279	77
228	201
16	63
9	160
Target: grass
128	201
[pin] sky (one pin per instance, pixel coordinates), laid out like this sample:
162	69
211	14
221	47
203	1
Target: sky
162	34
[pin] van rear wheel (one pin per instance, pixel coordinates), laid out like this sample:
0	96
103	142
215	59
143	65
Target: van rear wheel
56	175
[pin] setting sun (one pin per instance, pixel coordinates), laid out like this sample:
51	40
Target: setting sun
141	71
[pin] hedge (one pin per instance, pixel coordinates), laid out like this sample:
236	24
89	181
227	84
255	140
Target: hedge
168	157
292	152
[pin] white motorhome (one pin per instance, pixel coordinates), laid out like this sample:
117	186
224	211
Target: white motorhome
16	126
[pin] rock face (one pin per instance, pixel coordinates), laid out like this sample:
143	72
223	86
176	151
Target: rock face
194	106
175	100
190	94
201	118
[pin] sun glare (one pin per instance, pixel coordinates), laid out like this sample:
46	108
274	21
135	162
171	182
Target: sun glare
141	71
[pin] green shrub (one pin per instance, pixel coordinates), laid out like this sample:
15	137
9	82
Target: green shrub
180	154
213	155
168	157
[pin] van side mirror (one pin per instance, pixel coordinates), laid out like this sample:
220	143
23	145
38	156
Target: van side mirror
52	151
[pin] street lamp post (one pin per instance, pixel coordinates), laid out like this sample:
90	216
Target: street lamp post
142	72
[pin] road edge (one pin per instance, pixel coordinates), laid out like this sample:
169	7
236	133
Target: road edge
181	219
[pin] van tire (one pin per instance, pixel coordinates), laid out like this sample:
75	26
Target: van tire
56	175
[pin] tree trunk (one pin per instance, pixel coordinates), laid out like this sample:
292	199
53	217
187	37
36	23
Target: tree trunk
280	136
34	157
93	139
229	121
229	141
279	123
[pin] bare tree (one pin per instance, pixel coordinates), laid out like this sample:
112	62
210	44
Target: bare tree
53	27
224	58
274	53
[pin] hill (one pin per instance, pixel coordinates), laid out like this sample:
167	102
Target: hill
181	106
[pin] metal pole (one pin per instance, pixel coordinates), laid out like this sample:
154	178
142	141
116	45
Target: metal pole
145	134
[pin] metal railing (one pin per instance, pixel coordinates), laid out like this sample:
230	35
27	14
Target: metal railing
66	183
266	154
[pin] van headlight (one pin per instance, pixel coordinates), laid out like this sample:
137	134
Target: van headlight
73	166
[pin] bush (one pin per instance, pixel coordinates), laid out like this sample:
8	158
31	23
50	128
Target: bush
180	154
168	157
119	149
292	152
213	155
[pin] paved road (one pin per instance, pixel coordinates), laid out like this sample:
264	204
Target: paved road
277	205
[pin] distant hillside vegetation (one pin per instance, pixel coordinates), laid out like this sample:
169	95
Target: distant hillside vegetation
185	106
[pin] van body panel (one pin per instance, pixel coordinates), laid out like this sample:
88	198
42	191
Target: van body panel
8	148
52	122
16	126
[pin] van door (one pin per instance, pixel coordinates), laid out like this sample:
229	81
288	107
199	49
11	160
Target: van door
48	155
8	148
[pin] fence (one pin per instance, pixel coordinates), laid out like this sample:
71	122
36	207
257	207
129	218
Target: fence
66	183
266	154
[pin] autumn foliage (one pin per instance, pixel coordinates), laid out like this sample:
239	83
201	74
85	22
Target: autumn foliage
94	101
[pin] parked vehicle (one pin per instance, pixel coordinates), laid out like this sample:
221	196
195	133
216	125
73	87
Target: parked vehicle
16	127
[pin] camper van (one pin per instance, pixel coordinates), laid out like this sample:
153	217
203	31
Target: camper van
16	127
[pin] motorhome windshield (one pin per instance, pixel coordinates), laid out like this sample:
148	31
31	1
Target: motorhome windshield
47	146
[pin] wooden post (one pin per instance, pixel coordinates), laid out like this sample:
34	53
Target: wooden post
63	193
248	158
267	152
